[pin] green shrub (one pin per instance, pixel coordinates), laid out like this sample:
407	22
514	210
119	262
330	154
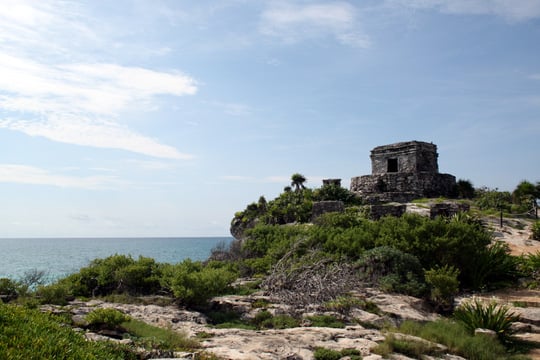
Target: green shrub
529	266
265	320
59	294
536	231
412	348
326	354
193	283
457	338
107	318
444	285
476	314
156	337
393	270
494	267
9	289
261	317
284	322
344	304
328	321
30	334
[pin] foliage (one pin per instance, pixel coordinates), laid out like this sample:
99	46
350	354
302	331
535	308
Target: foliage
337	193
193	283
535	230
444	284
457	242
465	189
297	181
344	304
9	289
458	340
116	274
326	354
529	265
494	267
265	320
106	318
339	220
393	270
493	199
321	353
58	293
476	314
410	347
29	334
328	321
158	337
524	193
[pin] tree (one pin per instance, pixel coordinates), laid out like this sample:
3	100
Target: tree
524	191
465	189
297	181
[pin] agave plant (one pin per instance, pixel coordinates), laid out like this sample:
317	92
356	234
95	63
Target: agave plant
476	314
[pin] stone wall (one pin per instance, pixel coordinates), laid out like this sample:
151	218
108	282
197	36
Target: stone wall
412	156
403	187
323	207
378	211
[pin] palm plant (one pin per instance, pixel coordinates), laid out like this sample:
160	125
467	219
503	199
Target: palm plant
297	181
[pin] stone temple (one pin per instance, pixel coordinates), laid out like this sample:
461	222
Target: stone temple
402	172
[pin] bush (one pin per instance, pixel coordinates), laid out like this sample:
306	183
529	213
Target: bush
115	274
458	340
475	314
158	337
444	285
393	270
326	354
529	265
9	290
536	231
106	318
494	267
59	294
193	284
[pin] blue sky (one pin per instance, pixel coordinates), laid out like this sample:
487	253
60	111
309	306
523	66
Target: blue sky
163	118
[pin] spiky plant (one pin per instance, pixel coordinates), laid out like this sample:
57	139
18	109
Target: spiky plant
477	314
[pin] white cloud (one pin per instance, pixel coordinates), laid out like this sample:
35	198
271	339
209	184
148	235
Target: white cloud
22	174
43	92
511	10
293	23
67	103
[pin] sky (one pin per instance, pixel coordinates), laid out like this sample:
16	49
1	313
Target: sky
163	118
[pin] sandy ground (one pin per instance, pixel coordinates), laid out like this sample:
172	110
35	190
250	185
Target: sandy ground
516	233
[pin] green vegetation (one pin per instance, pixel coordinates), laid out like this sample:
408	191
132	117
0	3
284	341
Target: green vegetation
29	334
536	230
450	334
414	255
329	354
444	285
157	338
476	314
326	321
106	318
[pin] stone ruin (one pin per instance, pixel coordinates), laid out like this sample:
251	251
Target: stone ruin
402	172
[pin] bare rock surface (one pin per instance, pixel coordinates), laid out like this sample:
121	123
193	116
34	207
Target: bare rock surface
295	343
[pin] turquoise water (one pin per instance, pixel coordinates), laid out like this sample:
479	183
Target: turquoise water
63	256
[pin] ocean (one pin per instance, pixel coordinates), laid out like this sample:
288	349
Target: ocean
59	257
